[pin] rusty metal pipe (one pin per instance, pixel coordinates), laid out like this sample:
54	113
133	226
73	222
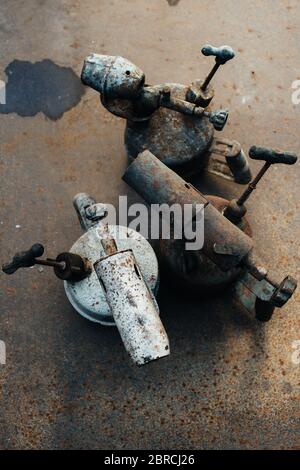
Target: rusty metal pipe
158	184
133	307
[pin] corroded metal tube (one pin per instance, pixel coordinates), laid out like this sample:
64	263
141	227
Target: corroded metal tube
158	184
133	307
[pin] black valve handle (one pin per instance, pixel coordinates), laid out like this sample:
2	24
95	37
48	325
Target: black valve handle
272	155
24	259
222	54
67	266
269	156
236	209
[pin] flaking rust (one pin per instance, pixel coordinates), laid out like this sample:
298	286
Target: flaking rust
226	258
133	306
110	277
172	120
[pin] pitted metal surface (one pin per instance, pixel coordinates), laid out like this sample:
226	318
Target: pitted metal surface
168	119
112	75
133	307
158	184
87	296
230	381
193	137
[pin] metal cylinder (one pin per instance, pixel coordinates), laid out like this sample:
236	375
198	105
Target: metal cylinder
89	212
112	76
133	307
238	164
158	184
80	202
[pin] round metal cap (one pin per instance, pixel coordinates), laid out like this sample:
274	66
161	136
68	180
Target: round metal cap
87	296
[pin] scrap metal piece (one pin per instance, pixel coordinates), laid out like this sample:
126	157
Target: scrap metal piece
88	211
237	167
167	119
24	259
195	94
236	208
284	291
112	76
133	307
222	54
255	296
227	253
100	239
200	92
118	80
219	118
260	295
178	140
96	212
67	266
272	155
87	296
158	184
75	268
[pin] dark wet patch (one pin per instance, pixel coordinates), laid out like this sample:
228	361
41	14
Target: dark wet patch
173	3
41	87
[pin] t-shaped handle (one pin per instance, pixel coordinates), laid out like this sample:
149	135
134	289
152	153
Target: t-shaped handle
236	209
67	266
222	54
24	259
272	155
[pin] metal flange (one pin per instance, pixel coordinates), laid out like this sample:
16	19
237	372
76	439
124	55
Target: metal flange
87	296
